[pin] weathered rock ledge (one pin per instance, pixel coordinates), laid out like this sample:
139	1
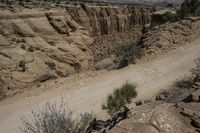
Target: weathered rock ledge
38	44
174	111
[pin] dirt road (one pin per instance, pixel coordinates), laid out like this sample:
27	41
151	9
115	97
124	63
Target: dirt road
88	94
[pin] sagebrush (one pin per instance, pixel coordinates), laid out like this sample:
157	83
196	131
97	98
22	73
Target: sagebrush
55	118
120	97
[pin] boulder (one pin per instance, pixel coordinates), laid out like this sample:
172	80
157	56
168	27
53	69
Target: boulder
154	117
59	23
196	122
3	41
191	110
196	96
107	63
167	121
128	127
162	16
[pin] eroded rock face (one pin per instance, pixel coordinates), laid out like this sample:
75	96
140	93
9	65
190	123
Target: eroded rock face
105	20
111	25
38	47
37	44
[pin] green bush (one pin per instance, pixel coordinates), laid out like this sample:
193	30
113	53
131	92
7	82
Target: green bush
120	97
55	119
197	12
130	51
189	8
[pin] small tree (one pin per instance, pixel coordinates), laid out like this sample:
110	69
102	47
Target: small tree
120	97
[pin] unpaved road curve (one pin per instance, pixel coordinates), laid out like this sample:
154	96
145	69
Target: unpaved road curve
88	94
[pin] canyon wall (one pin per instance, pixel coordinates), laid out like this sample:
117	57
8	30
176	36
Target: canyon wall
110	25
38	44
106	20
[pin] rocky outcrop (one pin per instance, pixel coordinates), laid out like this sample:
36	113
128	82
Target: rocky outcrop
168	36
177	112
173	111
105	20
162	16
38	44
41	46
155	118
110	26
104	46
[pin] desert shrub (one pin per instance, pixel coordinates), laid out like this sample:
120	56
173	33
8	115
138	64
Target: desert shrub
196	71
186	82
84	121
54	118
31	49
22	65
23	46
189	8
51	65
129	51
120	97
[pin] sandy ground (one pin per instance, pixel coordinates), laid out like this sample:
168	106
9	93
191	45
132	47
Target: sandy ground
88	94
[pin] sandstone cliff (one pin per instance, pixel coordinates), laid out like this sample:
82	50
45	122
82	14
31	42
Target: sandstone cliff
37	45
105	20
111	25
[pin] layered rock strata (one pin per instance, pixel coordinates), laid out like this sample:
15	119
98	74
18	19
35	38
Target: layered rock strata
38	44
